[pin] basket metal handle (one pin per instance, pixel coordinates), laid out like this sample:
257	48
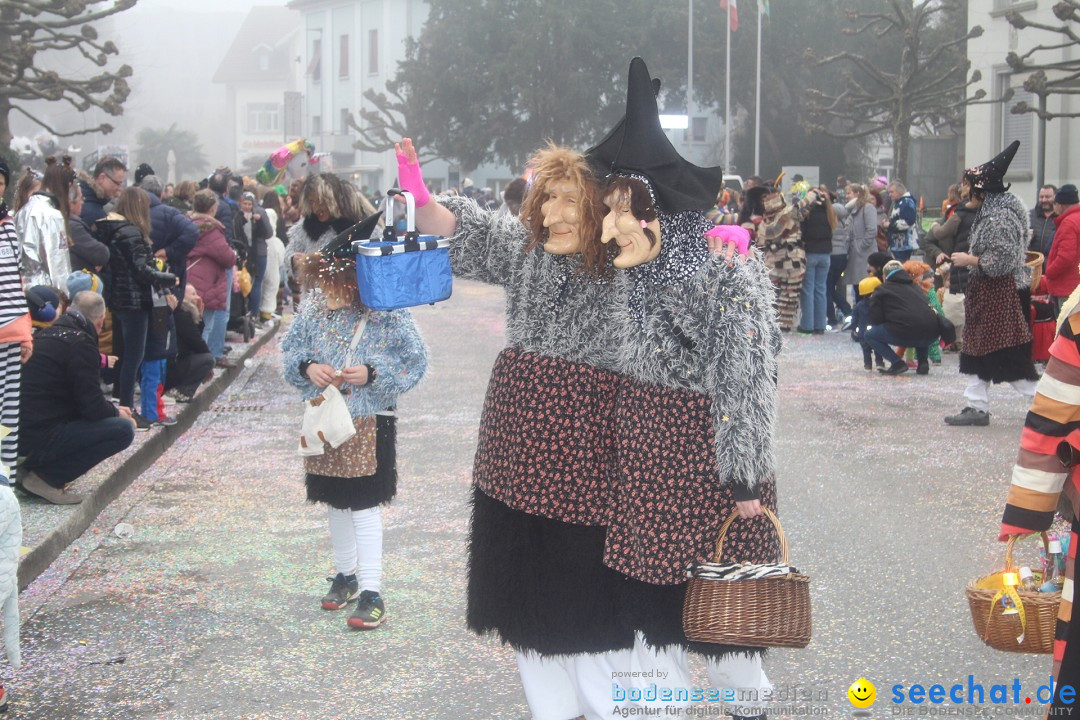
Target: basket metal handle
735	516
410	214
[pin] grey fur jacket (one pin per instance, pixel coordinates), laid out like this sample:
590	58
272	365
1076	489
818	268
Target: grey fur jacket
715	333
999	237
551	308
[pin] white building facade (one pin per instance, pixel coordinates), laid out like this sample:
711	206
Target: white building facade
990	127
350	47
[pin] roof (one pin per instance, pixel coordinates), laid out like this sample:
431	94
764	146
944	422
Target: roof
265	31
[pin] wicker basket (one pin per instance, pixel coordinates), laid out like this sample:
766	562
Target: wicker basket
1034	260
766	612
1035	623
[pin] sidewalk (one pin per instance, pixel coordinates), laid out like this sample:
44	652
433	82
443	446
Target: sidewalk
48	529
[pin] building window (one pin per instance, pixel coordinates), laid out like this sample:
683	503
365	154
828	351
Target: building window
263	117
315	66
316	124
698	126
373	51
1018	127
264	61
343	60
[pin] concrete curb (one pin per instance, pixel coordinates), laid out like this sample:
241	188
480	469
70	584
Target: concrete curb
75	523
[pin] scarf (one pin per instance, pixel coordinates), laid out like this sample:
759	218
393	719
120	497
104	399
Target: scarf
682	251
315	228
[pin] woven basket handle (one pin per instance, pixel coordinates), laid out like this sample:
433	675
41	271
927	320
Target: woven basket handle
1009	564
735	516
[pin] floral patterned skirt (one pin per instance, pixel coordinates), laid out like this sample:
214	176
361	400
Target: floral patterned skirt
668	501
545	444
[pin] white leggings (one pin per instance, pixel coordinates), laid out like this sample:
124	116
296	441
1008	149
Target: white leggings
977	392
356	537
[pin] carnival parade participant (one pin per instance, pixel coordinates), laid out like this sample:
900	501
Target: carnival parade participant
371	358
693	422
997	304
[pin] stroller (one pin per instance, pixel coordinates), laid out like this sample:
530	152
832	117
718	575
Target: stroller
240	320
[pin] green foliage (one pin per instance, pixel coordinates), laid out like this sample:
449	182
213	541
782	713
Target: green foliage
154	146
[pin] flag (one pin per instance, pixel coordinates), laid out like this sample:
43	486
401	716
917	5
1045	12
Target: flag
763	7
733	13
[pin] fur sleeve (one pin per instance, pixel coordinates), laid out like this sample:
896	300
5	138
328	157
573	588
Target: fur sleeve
488	246
740	376
298	344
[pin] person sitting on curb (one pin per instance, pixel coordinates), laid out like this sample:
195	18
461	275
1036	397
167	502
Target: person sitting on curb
900	315
66	426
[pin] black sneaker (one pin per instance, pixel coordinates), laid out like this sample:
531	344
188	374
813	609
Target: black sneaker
923	369
165	421
969	416
369	613
897	368
141	423
342	592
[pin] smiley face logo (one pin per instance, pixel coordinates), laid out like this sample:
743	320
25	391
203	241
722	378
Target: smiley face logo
862	693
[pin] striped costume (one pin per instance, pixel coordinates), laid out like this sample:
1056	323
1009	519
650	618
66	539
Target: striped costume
1039	478
14	335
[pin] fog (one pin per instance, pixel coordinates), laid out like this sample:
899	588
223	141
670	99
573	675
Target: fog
174	49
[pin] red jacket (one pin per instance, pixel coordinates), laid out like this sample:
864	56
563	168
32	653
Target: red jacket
1063	266
209	261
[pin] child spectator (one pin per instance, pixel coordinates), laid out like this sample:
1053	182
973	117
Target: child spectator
860	320
900	315
923	277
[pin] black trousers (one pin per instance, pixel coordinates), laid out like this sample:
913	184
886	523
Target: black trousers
69	451
188	372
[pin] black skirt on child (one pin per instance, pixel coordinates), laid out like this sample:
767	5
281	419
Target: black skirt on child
361	493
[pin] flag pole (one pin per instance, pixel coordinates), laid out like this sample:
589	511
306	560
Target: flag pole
727	97
689	75
757	98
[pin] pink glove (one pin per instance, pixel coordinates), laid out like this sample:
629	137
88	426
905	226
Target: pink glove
411	180
739	236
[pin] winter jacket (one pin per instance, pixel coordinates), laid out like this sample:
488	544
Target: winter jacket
840	232
902	307
964	218
131	270
390	343
862	241
172	231
1062	275
43	243
816	233
902	221
189	339
86	253
225	211
260	231
61	381
209	262
94	202
1042	231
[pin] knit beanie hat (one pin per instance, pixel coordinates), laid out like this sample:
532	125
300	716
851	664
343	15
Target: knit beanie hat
891	267
142	171
83	280
868	285
1067	195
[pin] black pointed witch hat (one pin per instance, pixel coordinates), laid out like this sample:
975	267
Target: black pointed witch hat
989	176
639	145
340	248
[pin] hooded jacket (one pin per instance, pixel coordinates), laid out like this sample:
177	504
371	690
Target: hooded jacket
173	232
903	309
209	261
132	273
86	253
94	201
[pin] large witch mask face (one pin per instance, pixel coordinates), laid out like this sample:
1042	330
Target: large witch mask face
562	217
631	223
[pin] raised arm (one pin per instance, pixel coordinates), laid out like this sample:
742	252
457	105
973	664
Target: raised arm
431	218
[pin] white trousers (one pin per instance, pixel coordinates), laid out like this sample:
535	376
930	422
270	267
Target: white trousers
356	538
563	687
275	254
977	392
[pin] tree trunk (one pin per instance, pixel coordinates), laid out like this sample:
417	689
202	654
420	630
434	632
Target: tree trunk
5	125
901	141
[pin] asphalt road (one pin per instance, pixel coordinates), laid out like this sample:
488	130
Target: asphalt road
210	610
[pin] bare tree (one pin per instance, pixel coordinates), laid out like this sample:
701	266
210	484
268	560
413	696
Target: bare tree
915	78
32	27
1053	76
383	124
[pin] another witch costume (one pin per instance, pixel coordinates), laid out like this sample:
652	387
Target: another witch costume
695	408
391	346
997	328
778	234
540	478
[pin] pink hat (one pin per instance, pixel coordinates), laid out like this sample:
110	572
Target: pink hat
880	182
